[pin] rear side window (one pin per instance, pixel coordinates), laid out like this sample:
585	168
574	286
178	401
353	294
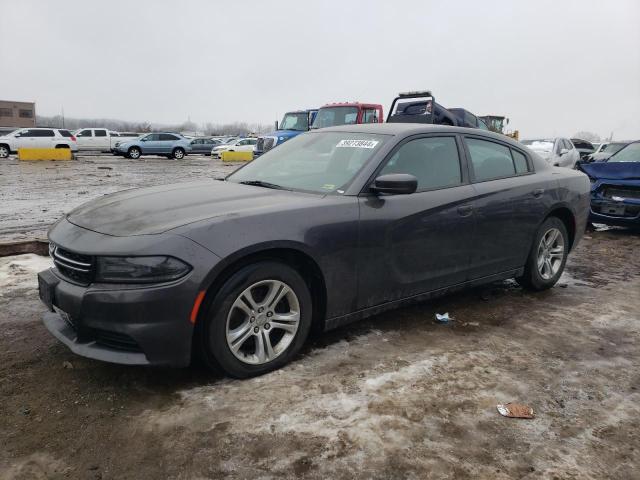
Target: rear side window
520	162
43	133
65	133
434	161
100	133
489	160
166	136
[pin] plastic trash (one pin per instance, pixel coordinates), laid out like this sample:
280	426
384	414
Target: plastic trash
516	410
443	317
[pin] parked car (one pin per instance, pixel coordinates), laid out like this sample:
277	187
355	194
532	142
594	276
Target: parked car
171	145
238	145
606	150
468	119
332	226
37	138
559	152
97	139
615	187
203	146
293	123
584	147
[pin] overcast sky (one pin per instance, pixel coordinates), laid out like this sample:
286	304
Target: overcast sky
553	67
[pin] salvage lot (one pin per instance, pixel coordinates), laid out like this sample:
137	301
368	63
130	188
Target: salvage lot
48	189
397	396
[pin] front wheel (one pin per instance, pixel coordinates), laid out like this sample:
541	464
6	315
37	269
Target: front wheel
134	152
548	256
4	151
178	153
258	321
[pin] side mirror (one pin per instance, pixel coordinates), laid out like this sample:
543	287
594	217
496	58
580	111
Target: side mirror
395	184
143	139
563	151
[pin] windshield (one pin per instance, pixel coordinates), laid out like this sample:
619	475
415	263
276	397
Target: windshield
612	147
631	153
295	121
334	116
540	145
321	162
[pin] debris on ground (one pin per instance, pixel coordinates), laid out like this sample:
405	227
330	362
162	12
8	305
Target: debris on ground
67	365
515	410
443	318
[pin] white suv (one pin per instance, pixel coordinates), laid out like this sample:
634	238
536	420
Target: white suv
36	138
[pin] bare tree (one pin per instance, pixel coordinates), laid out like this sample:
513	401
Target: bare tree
588	136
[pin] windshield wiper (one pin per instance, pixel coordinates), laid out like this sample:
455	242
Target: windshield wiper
260	183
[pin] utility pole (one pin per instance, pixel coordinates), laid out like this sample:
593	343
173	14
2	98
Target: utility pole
62	116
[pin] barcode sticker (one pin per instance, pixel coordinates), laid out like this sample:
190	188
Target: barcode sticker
357	143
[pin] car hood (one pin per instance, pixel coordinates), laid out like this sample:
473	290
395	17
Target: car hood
612	170
154	210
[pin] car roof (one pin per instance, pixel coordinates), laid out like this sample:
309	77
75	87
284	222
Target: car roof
407	129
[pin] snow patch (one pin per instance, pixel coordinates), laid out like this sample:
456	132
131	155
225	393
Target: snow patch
21	272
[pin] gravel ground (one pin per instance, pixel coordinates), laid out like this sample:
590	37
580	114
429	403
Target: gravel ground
396	396
33	195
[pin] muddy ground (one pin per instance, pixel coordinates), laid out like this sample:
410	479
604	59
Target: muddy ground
396	396
33	195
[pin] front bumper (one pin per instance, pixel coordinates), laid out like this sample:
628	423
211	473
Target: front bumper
614	210
126	324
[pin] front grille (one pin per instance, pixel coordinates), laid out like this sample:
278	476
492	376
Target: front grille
623	192
115	340
76	267
268	143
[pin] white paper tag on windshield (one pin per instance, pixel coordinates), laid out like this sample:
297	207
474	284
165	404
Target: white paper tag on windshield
357	143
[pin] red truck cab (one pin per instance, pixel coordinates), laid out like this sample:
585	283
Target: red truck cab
348	113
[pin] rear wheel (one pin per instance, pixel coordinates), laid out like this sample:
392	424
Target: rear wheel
548	256
4	151
178	153
134	152
258	320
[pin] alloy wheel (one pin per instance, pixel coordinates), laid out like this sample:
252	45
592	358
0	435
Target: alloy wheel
550	253
4	152
263	322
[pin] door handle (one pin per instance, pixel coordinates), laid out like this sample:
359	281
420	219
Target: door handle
465	210
538	192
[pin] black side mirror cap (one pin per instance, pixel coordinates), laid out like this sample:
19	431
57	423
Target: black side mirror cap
395	184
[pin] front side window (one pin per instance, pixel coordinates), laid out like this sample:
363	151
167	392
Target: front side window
630	153
490	160
434	161
295	121
370	115
321	162
100	133
151	137
334	116
84	133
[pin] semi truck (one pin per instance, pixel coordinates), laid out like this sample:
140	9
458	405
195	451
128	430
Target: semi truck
348	113
293	124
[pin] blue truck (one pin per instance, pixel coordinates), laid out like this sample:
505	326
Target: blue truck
292	124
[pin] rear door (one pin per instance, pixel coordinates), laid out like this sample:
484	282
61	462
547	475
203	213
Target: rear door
508	205
84	139
100	140
166	143
411	244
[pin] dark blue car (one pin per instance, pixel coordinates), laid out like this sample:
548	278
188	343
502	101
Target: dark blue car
615	187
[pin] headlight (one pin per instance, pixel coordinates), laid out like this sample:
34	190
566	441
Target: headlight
140	269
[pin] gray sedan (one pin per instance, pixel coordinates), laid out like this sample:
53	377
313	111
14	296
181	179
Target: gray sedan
333	226
203	146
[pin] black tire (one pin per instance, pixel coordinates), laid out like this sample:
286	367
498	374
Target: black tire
134	153
5	151
211	335
532	278
178	153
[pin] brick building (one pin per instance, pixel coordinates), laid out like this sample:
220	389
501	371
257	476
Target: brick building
17	114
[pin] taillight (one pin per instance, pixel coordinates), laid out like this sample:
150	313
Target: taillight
73	139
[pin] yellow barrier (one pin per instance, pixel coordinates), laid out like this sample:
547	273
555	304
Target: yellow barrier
236	156
44	154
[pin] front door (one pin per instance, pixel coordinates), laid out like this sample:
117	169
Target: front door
411	244
84	139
